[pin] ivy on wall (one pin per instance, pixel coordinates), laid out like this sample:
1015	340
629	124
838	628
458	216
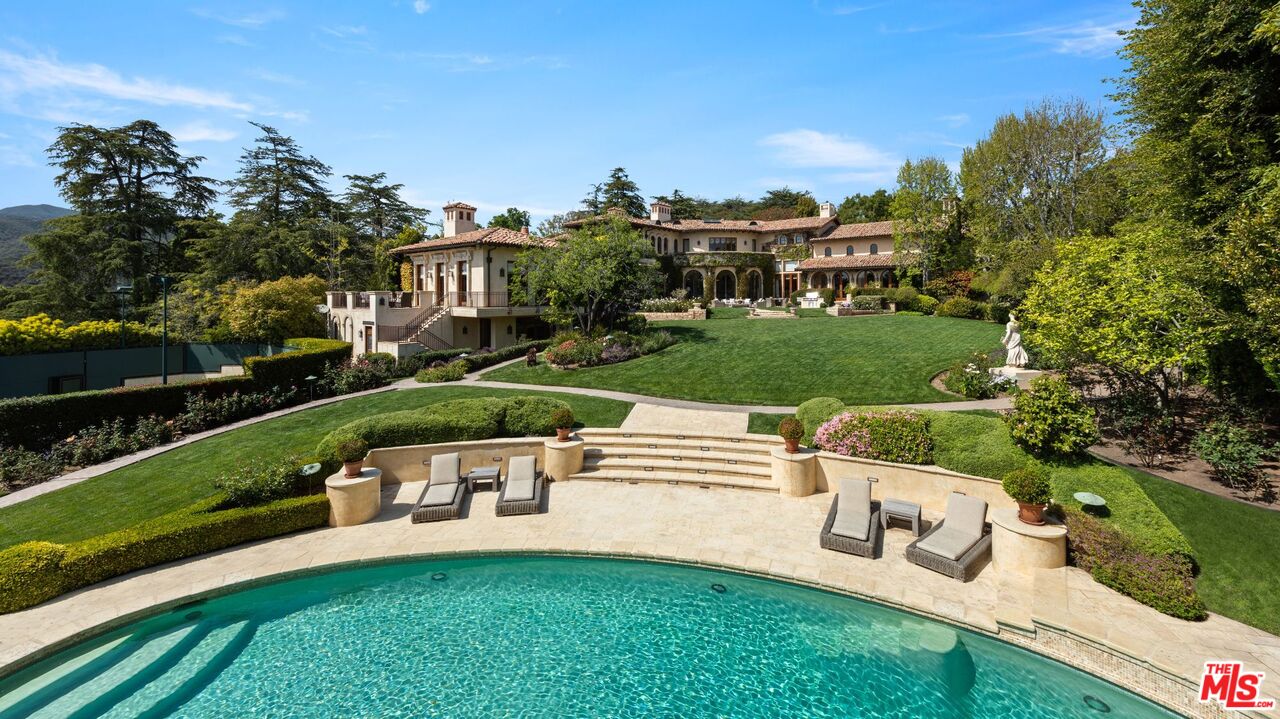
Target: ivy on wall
406	276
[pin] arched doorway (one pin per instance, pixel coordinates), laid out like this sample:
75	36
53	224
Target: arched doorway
726	285
818	281
839	281
693	284
755	285
886	278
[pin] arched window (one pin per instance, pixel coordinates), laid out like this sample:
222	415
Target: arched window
848	250
826	252
693	284
875	249
726	285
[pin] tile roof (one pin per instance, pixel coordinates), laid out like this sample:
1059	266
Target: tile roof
458	205
849	262
759	226
483	236
860	229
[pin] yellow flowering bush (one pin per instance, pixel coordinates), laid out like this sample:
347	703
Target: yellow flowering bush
41	333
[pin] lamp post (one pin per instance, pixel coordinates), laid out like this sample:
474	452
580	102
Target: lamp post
122	292
165	281
311	384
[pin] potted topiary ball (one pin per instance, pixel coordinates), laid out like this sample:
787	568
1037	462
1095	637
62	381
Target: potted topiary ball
562	418
1029	487
352	453
791	430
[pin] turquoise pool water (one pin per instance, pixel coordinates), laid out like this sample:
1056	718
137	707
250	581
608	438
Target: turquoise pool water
555	637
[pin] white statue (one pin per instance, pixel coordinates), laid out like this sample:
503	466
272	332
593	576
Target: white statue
1012	341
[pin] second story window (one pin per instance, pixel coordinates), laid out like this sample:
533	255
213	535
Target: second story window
826	252
723	244
848	250
875	249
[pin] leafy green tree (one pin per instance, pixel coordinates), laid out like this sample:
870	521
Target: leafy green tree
1037	178
71	279
275	190
806	207
552	226
276	310
1127	306
876	207
376	214
594	278
513	219
923	209
618	191
683	207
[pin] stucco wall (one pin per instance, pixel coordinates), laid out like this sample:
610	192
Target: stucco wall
405	464
927	486
861	245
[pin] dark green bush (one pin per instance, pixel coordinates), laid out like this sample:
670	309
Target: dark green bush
1236	455
1165	582
452	372
924	304
791	428
34	572
1051	419
311	358
488	359
531	416
1029	485
257	482
998	312
894	436
411	365
961	307
454	421
816	411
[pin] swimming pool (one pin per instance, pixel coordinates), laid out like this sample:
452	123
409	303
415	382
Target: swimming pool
550	636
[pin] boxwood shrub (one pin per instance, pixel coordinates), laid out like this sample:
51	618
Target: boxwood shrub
814	412
963	308
531	416
452	372
34	572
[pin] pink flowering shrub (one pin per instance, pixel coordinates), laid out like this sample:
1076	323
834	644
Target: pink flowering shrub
901	437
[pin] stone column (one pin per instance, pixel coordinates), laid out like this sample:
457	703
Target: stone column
796	474
563	458
356	500
1021	548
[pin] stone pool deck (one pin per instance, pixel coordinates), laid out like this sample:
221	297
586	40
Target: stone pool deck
1062	613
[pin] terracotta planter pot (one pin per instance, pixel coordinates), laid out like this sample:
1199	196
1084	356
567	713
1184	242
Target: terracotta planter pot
792	445
562	433
1031	513
351	470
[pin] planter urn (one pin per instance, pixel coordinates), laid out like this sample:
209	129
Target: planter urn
792	445
351	470
1031	513
562	433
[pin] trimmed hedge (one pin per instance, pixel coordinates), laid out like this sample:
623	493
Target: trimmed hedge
459	420
37	422
963	308
34	572
452	372
814	412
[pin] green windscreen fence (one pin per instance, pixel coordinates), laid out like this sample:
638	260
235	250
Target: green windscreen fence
57	372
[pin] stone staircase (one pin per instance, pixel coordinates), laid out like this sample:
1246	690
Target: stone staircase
698	460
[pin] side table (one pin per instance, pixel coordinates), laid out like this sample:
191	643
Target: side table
901	510
483	474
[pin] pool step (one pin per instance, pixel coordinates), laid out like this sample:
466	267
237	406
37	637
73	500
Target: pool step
168	692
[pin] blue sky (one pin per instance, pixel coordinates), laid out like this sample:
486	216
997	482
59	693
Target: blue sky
528	103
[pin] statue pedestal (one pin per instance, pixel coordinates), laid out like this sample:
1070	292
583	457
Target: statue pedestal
1021	375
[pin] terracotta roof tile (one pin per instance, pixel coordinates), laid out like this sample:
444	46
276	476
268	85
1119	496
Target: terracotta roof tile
860	229
458	205
758	226
849	262
483	236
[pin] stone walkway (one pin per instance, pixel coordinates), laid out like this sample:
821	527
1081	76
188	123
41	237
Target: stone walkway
645	417
743	531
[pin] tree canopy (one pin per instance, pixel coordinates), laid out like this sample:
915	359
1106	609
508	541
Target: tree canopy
513	219
922	209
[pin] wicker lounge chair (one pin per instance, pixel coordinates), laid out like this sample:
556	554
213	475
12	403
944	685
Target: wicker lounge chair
853	523
442	497
522	491
957	545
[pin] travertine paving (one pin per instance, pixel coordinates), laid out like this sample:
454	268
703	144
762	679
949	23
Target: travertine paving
746	531
645	417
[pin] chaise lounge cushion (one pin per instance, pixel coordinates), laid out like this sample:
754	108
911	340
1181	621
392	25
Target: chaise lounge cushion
966	515
947	542
520	478
445	468
853	510
439	494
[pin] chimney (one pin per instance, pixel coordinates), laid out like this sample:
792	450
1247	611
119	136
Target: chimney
660	212
524	230
459	217
826	209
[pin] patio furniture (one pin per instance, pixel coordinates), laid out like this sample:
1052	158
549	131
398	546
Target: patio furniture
902	510
522	492
853	523
957	545
442	497
490	475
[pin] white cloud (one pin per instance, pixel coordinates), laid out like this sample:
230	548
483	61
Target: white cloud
201	132
345	30
252	21
1086	38
957	120
278	78
234	39
853	9
421	6
11	155
810	148
21	75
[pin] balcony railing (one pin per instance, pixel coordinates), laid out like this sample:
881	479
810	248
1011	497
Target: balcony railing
479	299
362	299
339	300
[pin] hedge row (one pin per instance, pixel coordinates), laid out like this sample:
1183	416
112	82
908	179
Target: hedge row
413	364
35	572
37	422
459	420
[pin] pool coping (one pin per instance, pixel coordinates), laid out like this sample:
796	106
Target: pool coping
1168	690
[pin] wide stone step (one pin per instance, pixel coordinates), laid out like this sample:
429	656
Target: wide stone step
651	464
676	477
679	453
621	444
593	433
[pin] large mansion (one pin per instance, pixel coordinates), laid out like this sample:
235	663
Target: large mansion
460	297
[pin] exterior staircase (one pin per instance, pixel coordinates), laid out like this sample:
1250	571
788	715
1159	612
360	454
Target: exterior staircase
419	329
696	460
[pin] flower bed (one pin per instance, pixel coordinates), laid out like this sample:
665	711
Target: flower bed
973	379
571	350
901	437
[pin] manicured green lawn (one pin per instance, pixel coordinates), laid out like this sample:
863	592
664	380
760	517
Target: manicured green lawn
860	360
1238	548
184	475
